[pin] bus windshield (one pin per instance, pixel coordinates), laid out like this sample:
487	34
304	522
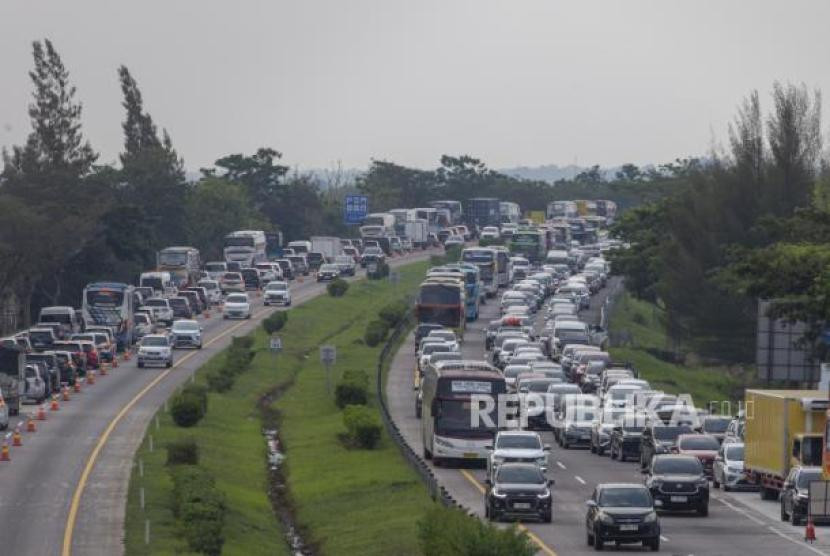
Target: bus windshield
239	242
172	258
477	256
435	294
104	298
454	419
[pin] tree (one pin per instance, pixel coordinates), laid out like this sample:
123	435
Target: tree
629	172
259	173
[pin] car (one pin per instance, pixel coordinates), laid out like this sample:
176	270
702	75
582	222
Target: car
517	446
4	413
204	296
489	232
35	385
603	428
423	330
346	265
328	272
728	470
677	482
626	440
622	513
576	426
155	349
703	446
315	260
237	305
213	289
658	438
299	264
268	272
161	309
181	307
286	268
251	279
796	493
454	241
232	282
715	425
68	367
277	293
519	490
194	301
49	370
42	339
144	324
186	333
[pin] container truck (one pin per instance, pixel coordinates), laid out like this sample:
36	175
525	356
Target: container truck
482	211
12	374
784	428
330	247
417	231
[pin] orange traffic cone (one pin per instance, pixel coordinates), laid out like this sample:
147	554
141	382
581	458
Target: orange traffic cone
17	438
206	314
90	377
114	362
77	386
65	393
30	425
810	531
4	452
41	413
103	369
54	405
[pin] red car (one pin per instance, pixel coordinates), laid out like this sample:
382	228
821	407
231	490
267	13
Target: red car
703	446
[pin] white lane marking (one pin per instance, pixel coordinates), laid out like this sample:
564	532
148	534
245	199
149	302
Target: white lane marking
798	542
561	465
740	511
664	539
580	479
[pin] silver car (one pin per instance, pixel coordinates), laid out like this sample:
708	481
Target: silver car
728	469
186	333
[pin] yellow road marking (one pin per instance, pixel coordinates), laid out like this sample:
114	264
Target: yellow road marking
539	542
72	517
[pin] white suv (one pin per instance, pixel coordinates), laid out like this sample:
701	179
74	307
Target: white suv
517	446
161	308
277	293
155	349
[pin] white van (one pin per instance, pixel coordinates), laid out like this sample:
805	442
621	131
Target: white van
161	282
66	316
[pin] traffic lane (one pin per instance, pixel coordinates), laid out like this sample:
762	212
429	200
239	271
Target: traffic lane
99	526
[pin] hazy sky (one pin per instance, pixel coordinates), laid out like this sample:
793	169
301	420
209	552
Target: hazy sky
516	82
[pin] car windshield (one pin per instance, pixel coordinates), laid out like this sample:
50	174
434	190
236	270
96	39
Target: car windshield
513	372
735	453
185	325
625	497
278	286
510	474
677	466
539	385
328	268
154	341
141	319
807	476
520	441
237	299
156	303
716	425
699	442
669	434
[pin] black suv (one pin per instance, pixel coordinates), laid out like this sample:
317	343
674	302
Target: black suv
796	492
625	441
519	490
660	439
622	513
677	482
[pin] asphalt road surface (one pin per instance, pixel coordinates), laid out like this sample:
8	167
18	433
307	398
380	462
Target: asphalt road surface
90	442
738	523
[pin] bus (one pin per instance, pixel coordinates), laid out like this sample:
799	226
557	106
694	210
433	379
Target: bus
509	212
454	207
504	270
441	300
528	243
473	287
485	259
451	391
246	247
183	264
111	304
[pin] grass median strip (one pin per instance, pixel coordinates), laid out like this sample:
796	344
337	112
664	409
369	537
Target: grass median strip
346	501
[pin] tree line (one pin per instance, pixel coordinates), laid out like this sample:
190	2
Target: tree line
751	223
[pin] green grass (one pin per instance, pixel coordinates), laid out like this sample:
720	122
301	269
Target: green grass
345	501
643	321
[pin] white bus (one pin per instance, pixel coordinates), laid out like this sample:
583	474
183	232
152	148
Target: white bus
485	258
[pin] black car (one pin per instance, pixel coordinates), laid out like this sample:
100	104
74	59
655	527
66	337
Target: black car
519	490
423	330
181	308
625	441
315	260
193	299
622	513
328	273
660	439
234	266
715	425
796	491
677	482
251	278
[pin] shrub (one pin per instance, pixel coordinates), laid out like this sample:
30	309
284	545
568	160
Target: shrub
187	410
394	313
381	272
376	332
362	425
184	451
236	361
219	381
338	287
200	391
200	507
353	389
275	321
451	531
242	342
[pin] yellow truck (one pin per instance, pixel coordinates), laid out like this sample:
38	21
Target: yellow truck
783	428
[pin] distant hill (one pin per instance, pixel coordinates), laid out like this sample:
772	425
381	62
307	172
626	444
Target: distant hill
551	172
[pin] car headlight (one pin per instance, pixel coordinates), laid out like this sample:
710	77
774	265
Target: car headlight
650	518
498	494
545	494
606	519
442	442
703	481
542	461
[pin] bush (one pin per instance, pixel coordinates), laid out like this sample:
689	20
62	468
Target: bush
362	425
451	531
184	451
394	313
275	321
200	508
381	272
200	391
242	342
353	389
219	381
375	332
338	287
187	410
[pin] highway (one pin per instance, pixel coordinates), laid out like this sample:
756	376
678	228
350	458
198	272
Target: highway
738	523
64	491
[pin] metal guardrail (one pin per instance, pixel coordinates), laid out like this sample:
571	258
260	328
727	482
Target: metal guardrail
436	491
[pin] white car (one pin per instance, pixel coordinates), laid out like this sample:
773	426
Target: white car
277	293
4	413
161	309
214	290
517	446
489	232
237	306
186	333
155	349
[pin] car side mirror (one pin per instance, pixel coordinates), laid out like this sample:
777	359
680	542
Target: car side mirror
590	504
488	482
551	482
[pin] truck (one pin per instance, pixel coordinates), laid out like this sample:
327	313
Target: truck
246	247
12	374
330	247
482	211
417	231
784	428
378	224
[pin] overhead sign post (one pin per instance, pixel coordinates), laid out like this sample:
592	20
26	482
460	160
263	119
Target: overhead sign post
355	209
328	357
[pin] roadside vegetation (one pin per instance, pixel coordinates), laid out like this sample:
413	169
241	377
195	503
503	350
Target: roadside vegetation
637	329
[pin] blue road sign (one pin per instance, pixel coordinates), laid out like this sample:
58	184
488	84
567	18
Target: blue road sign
356	209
